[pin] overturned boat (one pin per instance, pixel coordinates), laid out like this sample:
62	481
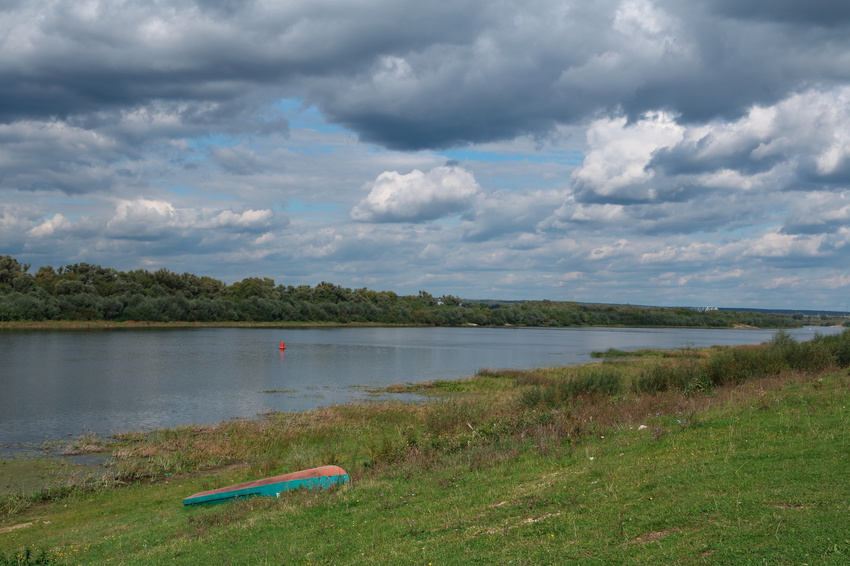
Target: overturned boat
314	478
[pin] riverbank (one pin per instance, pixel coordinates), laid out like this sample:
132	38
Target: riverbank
109	324
656	459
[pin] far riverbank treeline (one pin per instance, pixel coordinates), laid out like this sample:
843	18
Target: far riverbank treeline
86	292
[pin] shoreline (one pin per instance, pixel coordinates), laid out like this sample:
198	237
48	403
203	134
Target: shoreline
109	324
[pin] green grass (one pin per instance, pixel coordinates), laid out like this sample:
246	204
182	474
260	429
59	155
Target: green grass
752	471
616	353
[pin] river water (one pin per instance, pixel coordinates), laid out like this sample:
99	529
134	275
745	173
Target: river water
55	384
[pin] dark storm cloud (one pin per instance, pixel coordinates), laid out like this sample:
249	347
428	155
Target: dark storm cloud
561	63
822	213
682	160
838	177
414	75
827	13
813	226
64	59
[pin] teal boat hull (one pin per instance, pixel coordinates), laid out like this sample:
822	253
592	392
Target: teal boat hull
315	478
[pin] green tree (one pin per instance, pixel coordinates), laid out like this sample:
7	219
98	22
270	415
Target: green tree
254	287
209	287
46	278
11	269
329	293
427	299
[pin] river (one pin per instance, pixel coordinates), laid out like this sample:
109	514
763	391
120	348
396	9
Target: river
60	383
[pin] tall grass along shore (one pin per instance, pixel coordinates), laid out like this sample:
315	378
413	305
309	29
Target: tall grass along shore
724	455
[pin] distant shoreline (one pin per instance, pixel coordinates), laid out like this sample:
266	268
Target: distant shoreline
109	324
84	324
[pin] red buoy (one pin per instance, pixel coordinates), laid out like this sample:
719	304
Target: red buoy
282	346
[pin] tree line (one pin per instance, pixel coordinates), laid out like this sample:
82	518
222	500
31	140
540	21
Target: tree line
86	292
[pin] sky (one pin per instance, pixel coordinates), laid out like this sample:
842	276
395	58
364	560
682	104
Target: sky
651	152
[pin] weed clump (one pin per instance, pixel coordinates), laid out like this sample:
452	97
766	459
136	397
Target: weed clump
736	365
554	390
28	557
448	415
687	376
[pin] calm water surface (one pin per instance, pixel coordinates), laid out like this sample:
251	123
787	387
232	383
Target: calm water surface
59	383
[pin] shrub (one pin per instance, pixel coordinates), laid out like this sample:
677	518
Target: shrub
815	355
783	342
737	365
560	390
838	346
686	375
812	356
602	381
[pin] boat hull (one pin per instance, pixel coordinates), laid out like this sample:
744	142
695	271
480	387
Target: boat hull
315	478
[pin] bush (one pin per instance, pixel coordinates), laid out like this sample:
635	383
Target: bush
838	345
601	381
737	365
688	376
815	355
555	391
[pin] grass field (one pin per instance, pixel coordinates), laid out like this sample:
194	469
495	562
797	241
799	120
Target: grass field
623	461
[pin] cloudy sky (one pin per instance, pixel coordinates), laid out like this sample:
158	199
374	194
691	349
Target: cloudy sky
626	151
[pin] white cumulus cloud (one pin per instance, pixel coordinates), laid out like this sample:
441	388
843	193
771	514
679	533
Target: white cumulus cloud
50	226
615	167
417	196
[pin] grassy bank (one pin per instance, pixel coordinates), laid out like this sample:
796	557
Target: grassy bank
715	456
